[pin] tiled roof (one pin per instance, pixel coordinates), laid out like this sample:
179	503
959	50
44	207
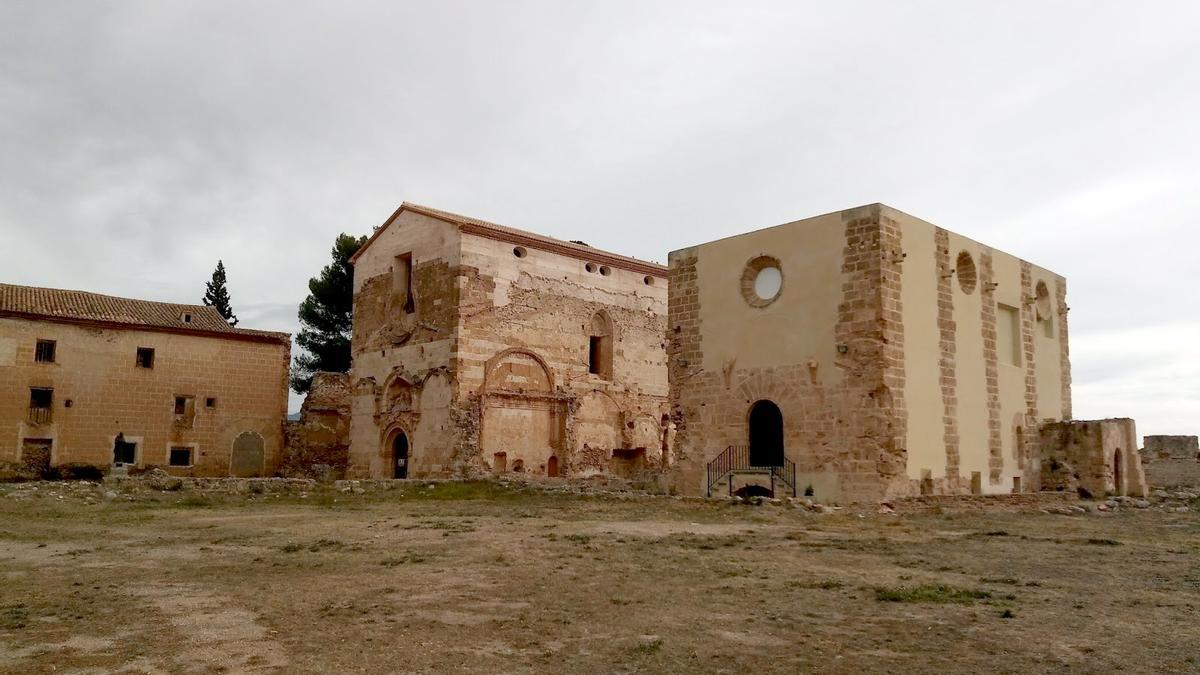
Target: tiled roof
81	306
511	234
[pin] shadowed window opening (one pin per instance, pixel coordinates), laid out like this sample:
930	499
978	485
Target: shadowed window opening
45	351
180	456
766	434
400	456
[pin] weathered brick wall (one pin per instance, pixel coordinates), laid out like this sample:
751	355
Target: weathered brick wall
318	444
494	357
527	319
95	370
1170	447
1171	461
1097	457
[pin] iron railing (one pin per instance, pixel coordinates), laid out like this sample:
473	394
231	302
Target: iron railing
39	415
736	458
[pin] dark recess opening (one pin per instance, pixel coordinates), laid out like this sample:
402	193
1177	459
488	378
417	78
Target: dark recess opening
766	434
594	344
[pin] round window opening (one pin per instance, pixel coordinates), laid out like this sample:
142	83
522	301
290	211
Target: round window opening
762	281
965	270
767	283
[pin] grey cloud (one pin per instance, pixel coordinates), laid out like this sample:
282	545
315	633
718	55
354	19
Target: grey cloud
142	141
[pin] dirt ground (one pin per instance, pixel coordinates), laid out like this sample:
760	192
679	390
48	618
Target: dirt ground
478	578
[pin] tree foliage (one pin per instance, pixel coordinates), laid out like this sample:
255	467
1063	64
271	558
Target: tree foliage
216	295
325	317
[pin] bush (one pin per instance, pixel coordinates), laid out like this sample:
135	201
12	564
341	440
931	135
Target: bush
930	593
80	471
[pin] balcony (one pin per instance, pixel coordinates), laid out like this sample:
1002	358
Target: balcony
40	415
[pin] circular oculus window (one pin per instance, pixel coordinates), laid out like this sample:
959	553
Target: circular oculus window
964	268
762	281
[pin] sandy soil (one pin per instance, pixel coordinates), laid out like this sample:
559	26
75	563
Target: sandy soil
443	581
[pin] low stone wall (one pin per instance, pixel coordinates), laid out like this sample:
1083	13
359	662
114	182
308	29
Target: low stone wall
1023	501
1171	461
1170	473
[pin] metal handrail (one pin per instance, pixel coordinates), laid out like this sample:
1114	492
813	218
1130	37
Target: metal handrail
737	458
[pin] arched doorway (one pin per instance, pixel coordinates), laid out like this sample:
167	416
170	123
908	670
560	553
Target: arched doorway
400	455
1117	473
766	434
246	459
552	466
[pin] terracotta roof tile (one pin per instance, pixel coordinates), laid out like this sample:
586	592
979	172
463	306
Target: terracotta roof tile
81	306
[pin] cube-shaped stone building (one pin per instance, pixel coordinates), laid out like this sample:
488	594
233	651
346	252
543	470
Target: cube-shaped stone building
866	354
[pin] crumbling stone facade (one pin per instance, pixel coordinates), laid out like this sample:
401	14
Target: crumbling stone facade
96	380
318	444
898	358
1093	458
480	349
1171	461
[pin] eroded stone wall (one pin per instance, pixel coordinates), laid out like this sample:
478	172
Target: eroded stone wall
1092	457
535	324
1171	461
484	366
318	444
404	330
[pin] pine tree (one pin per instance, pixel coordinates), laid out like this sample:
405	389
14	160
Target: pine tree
325	317
217	295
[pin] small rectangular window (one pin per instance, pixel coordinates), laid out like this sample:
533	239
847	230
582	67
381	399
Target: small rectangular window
41	404
124	452
145	357
210	402
180	456
594	344
185	410
402	281
44	352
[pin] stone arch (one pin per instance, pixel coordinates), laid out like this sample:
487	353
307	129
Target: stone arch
517	369
389	447
248	455
765	425
399	392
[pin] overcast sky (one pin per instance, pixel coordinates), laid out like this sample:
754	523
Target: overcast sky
142	141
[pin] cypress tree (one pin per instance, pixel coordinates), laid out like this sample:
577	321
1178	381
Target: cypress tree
216	294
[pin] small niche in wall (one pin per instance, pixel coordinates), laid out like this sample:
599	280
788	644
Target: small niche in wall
964	269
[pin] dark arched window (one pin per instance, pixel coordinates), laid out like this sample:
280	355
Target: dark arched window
600	346
766	434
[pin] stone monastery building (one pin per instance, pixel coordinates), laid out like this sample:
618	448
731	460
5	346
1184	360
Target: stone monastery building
115	383
480	348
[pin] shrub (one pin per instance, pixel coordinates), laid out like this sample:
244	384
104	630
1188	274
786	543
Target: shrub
930	593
